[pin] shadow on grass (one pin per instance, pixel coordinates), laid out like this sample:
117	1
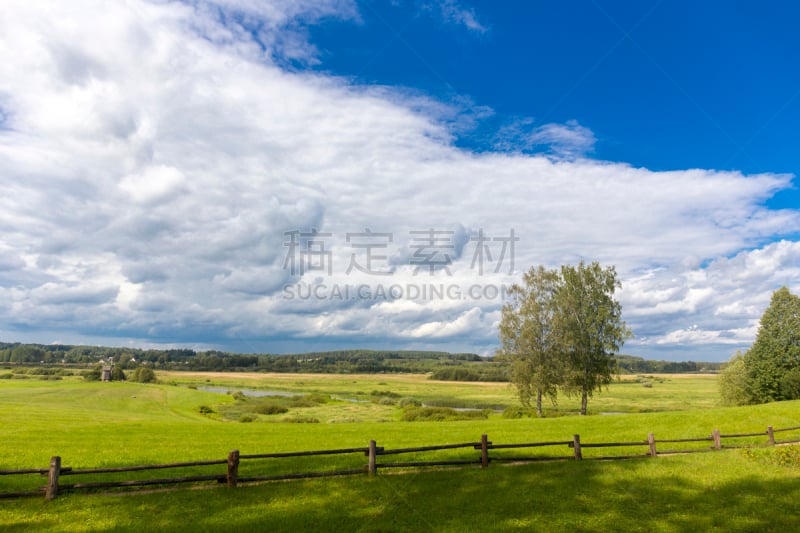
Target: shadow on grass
719	491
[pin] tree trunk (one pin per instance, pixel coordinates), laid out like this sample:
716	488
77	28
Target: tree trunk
584	400
585	390
539	403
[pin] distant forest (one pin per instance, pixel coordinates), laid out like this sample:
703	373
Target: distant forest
441	365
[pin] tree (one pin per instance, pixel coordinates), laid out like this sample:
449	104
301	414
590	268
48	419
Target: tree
773	361
733	381
590	326
143	374
529	339
117	374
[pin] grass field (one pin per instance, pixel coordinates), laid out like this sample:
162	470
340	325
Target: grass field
120	424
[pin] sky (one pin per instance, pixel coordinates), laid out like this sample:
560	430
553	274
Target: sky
287	176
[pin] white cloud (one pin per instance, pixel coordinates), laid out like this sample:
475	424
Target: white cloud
465	323
565	140
153	185
153	157
455	13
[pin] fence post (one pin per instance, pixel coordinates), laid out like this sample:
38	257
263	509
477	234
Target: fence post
576	444
52	478
372	467
233	469
771	436
717	441
484	451
651	442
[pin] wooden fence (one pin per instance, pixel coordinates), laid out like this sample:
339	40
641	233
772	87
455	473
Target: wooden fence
56	472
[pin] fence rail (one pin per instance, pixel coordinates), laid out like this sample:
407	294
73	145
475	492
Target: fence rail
232	478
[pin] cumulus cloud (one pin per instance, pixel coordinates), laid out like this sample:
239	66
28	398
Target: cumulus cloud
156	159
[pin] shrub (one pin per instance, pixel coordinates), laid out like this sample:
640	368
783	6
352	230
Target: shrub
92	375
384	394
318	398
239	396
143	374
301	401
406	402
247	418
205	410
6	376
516	411
269	409
440	414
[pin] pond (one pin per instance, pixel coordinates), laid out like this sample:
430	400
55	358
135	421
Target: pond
246	392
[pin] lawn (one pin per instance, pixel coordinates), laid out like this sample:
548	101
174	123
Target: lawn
122	424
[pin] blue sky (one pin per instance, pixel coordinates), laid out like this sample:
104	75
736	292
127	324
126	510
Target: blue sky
165	164
663	85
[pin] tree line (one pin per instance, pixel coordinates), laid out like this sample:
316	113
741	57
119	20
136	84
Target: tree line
341	361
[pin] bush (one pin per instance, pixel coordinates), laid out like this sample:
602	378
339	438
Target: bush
516	411
318	398
413	402
143	374
205	410
239	396
440	414
92	375
117	374
6	376
247	418
269	409
384	394
301	401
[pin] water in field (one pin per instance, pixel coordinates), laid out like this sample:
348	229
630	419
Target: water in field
246	392
266	393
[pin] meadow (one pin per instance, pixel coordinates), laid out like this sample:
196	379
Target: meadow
121	424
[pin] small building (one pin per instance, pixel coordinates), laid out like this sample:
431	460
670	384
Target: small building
105	375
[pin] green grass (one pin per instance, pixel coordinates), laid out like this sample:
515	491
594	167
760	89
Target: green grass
121	424
724	491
